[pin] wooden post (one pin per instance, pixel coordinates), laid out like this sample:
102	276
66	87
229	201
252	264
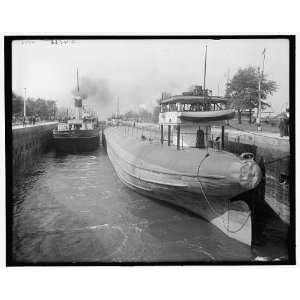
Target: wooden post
178	137
169	135
223	137
161	134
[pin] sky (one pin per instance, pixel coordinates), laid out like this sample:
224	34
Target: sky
138	71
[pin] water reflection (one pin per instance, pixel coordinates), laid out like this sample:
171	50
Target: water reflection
73	208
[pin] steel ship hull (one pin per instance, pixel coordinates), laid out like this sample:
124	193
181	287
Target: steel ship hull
173	176
76	140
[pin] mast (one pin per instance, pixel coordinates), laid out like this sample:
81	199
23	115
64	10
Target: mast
205	69
205	102
78	102
77	82
118	112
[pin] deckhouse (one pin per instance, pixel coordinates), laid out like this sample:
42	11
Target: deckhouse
197	107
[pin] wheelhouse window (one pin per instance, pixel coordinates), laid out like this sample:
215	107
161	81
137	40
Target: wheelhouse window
192	107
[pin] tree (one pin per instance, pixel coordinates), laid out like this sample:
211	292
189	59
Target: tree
17	104
51	109
243	90
45	109
30	106
155	114
131	115
41	108
145	115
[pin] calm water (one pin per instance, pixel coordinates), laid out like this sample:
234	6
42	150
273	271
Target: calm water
73	208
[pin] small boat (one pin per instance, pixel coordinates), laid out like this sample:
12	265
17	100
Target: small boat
81	133
203	179
208	116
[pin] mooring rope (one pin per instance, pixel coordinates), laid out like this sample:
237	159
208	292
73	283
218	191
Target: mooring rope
213	209
242	226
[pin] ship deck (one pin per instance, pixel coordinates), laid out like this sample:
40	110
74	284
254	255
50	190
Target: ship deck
168	158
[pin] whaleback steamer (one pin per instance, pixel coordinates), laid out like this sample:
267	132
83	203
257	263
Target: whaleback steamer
203	179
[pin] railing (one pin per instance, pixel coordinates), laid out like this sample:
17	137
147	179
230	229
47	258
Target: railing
151	133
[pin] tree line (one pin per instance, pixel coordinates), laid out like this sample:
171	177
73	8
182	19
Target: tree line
42	108
242	90
143	115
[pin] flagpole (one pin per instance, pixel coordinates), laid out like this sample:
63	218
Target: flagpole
77	82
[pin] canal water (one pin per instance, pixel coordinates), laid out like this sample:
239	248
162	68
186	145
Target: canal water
73	208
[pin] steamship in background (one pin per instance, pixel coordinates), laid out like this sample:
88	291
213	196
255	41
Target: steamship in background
80	133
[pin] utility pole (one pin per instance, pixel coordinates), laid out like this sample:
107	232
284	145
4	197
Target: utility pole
260	79
259	102
204	79
25	103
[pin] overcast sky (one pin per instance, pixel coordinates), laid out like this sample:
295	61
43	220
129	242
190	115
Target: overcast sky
138	71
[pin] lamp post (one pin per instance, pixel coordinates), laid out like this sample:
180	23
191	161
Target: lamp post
25	103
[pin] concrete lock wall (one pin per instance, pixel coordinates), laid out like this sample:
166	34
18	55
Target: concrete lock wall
275	153
28	143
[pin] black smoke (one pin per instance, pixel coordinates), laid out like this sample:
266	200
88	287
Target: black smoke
97	93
